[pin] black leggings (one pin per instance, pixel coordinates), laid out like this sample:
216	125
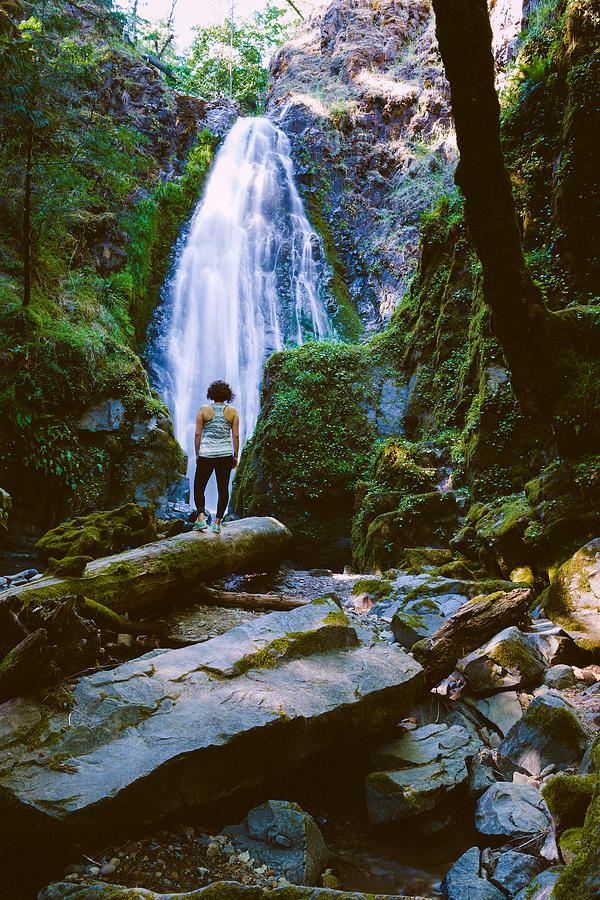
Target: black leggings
205	465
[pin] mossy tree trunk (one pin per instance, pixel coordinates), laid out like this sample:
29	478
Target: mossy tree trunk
521	321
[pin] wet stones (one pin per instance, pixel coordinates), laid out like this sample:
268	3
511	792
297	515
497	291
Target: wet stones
419	770
283	837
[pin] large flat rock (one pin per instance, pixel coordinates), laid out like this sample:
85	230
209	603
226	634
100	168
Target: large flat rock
180	728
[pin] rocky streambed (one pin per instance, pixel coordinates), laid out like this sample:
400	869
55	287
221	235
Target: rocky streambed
158	773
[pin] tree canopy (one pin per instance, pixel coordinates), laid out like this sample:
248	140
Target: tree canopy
206	71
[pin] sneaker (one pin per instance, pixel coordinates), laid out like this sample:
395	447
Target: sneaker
200	526
216	529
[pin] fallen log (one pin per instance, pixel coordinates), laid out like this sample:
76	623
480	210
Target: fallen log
142	578
240	600
474	623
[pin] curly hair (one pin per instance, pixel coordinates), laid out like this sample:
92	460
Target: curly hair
220	392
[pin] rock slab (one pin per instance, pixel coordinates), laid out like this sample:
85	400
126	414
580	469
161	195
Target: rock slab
421	769
167	731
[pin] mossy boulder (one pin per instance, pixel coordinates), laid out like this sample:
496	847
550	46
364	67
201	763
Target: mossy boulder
570	844
573	598
581	879
98	534
426	559
507	661
537	529
568	798
549	732
381	542
312	444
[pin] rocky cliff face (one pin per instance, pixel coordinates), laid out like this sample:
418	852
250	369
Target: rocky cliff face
362	95
460	436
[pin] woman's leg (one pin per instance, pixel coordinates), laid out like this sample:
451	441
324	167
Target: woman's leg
204	469
223	466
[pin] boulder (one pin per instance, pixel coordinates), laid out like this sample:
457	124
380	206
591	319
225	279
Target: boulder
502	710
104	417
513	870
573	598
181	728
419	770
171	568
559	677
283	837
568	798
463	880
548	733
512	810
508	660
220	890
542	886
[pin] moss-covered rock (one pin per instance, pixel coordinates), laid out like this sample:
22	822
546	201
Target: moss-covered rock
570	844
380	543
573	598
568	798
581	879
98	534
548	732
312	444
426	559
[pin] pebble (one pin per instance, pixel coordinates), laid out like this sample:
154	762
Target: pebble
94	870
108	869
212	851
228	849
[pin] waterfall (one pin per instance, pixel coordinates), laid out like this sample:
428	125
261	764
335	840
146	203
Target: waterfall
247	281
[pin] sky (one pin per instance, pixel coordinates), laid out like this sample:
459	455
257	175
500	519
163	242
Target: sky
194	12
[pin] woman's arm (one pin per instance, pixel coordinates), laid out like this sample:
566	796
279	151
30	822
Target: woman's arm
199	427
235	432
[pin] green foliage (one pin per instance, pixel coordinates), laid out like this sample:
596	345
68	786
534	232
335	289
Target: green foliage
153	229
206	72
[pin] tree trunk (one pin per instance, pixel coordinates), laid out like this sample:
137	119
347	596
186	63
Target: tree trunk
163	572
521	320
27	220
476	622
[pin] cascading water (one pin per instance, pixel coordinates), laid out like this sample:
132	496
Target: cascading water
247	282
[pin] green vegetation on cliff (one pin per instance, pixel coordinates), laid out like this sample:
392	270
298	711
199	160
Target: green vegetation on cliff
110	181
312	444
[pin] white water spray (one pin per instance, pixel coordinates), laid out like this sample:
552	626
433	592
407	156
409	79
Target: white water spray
247	282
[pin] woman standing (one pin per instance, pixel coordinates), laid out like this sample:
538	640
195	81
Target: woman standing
215	426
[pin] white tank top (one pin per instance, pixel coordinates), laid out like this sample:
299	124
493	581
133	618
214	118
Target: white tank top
216	435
